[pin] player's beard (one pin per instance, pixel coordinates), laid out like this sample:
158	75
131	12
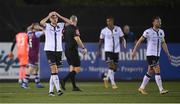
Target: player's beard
158	26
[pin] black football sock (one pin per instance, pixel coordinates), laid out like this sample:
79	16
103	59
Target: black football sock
67	76
36	80
73	79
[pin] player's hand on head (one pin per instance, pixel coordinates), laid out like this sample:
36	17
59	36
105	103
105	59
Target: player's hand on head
52	13
56	13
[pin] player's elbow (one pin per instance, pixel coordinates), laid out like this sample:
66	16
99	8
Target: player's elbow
77	38
42	23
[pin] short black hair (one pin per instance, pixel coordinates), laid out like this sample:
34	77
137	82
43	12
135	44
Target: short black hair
155	18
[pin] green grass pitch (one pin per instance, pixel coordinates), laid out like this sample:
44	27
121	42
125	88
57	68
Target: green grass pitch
93	92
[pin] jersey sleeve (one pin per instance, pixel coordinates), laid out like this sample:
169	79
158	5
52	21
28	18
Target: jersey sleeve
39	34
163	33
61	24
121	34
102	34
46	25
145	34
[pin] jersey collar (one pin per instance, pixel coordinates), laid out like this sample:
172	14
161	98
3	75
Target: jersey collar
155	30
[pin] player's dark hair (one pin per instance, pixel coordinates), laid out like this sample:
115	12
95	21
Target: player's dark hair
110	17
155	18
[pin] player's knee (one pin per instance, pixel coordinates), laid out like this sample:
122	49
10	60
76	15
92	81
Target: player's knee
151	71
54	69
35	71
28	71
112	65
77	69
156	69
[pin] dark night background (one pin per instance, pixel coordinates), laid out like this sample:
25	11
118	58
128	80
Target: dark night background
16	15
